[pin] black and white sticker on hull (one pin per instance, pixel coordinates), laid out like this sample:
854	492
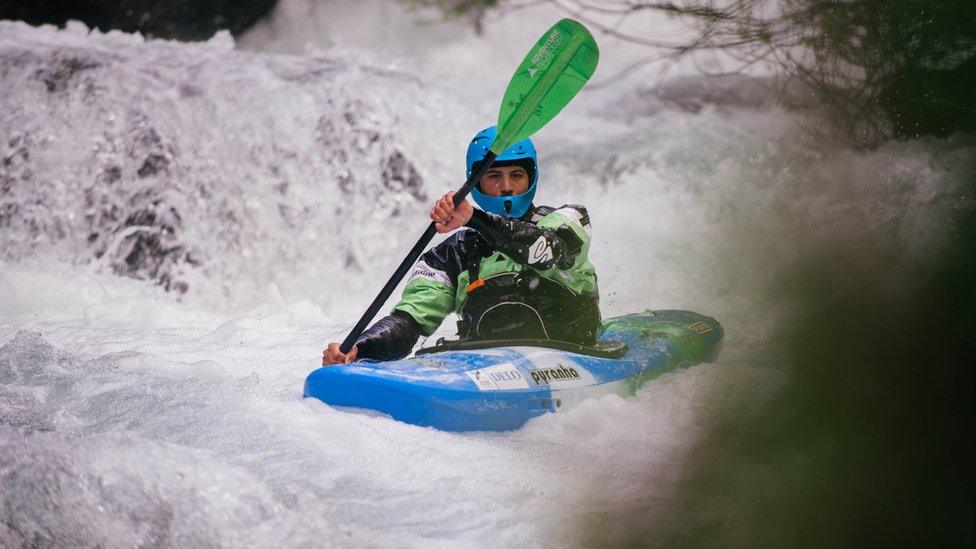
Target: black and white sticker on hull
551	369
500	377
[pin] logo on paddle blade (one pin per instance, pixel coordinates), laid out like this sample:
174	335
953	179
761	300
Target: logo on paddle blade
553	41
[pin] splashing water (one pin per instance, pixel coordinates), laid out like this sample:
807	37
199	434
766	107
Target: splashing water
271	195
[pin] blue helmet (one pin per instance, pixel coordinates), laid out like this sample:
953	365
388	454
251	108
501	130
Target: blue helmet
520	154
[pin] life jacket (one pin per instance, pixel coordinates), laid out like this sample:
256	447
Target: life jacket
524	305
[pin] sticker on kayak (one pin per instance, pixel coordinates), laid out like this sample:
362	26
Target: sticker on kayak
701	327
553	370
498	378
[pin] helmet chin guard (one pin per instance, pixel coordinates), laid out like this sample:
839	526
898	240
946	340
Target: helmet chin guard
520	154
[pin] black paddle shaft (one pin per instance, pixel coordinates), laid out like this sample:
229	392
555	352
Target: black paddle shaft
411	258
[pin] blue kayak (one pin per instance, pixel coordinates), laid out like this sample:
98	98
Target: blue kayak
498	386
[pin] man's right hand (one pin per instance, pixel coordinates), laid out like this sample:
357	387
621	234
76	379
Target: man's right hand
446	217
332	355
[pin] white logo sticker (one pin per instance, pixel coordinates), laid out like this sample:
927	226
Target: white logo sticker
561	372
498	378
551	369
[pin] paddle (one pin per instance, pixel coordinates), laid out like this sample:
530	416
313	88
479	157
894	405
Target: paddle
552	73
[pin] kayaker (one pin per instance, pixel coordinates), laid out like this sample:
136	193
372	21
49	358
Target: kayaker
516	271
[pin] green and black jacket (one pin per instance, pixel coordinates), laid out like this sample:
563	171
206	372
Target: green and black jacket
547	245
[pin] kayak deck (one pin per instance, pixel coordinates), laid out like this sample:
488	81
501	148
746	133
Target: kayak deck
489	387
602	349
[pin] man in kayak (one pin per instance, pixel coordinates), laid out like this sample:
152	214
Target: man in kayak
517	270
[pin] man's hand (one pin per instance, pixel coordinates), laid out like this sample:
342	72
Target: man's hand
332	355
446	217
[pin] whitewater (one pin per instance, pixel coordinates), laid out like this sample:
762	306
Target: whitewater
184	226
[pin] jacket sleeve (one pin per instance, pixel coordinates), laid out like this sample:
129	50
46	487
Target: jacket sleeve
390	338
552	243
430	292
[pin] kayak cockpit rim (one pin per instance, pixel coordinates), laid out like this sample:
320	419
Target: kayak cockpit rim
601	349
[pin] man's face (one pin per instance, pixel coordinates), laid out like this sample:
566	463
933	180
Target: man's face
505	181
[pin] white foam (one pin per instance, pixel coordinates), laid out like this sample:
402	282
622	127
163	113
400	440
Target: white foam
129	415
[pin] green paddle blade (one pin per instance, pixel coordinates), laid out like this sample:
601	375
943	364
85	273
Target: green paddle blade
553	72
